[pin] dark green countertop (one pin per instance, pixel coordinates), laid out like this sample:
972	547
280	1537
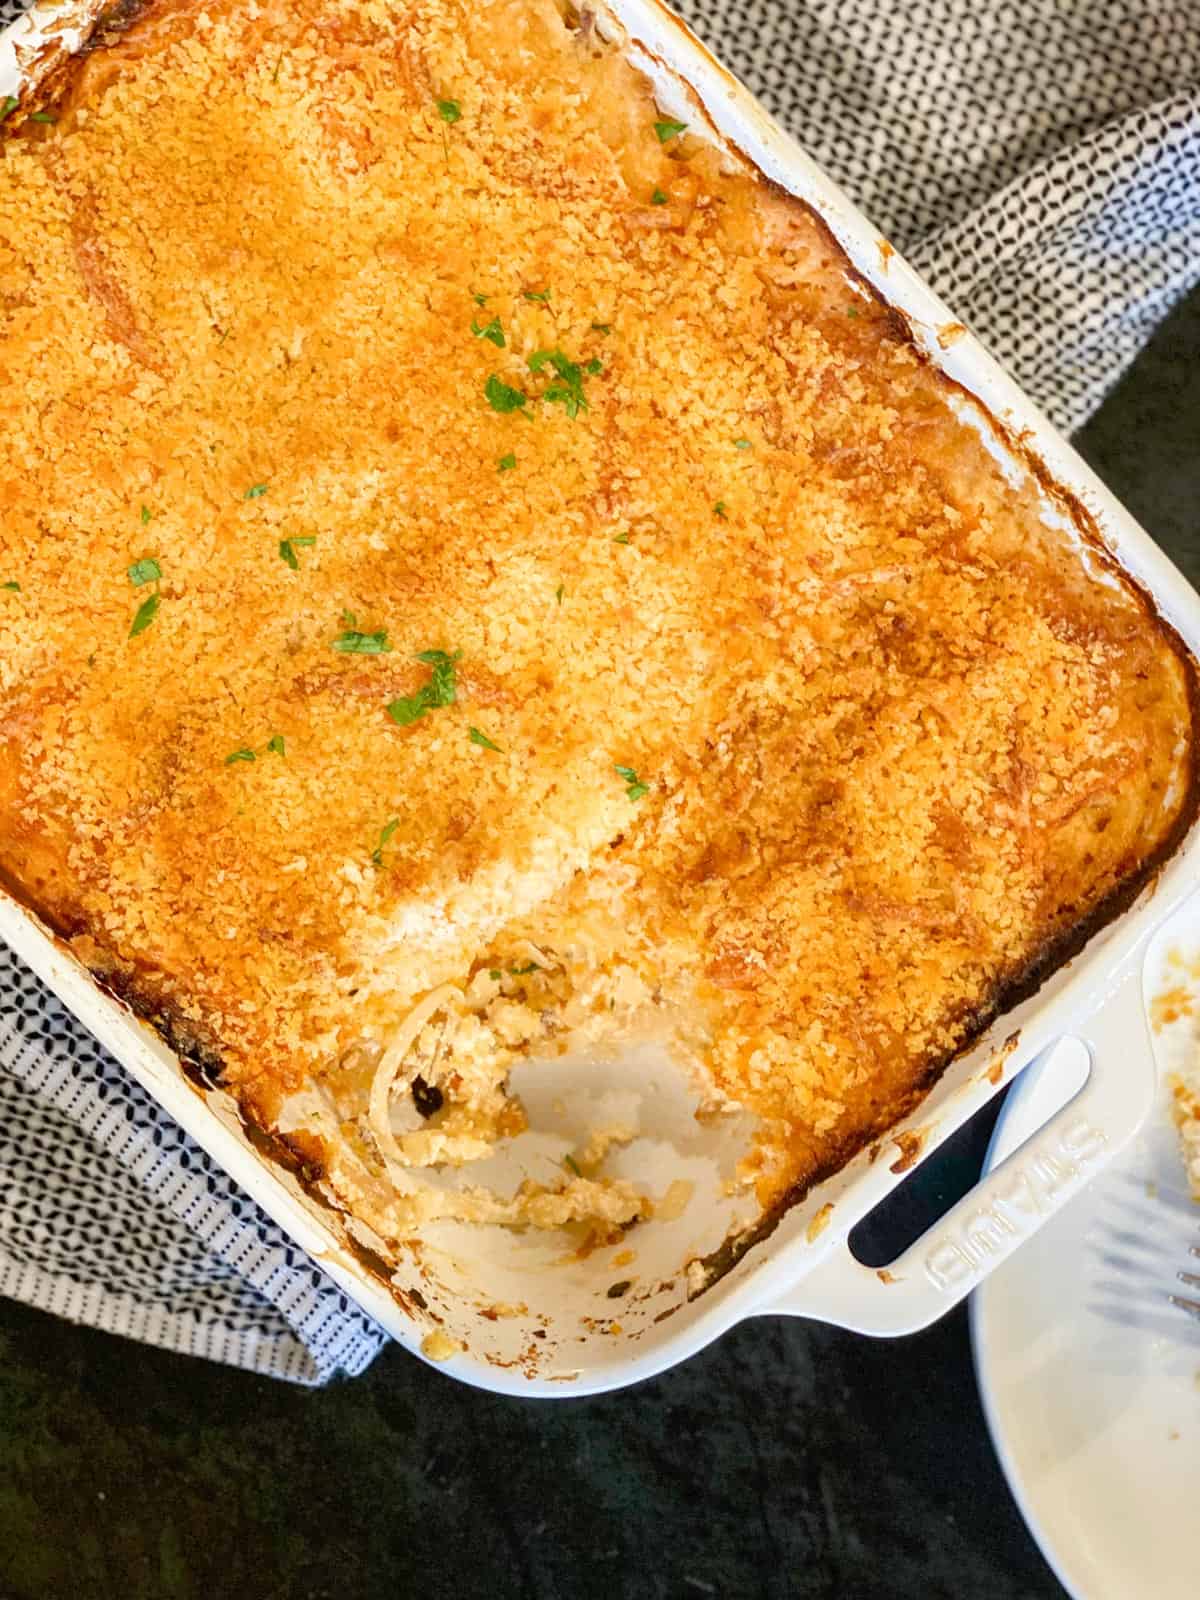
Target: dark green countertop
790	1460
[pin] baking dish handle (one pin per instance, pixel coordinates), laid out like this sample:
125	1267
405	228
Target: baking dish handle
1009	1204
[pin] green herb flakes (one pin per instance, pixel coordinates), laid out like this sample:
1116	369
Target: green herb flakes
506	463
635	787
541	296
8	105
354	643
408	709
620	538
742	444
385	834
570	1161
495	974
720	510
851	311
558	594
441	690
288	548
12	586
144	615
479	299
602	327
147	570
493	332
523	972
502	397
567	391
276	746
658	198
146	515
450	111
240	755
255	491
43	116
668	129
482	740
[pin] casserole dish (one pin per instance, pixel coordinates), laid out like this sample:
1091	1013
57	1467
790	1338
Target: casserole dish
496	1292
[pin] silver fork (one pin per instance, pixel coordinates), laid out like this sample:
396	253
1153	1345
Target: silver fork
1192	1279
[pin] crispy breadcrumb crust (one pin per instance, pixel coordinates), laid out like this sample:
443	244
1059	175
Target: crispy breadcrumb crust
903	737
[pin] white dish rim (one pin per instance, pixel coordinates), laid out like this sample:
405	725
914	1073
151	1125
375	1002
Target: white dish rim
798	1270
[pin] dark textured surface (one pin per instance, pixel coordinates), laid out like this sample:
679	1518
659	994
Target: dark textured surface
790	1460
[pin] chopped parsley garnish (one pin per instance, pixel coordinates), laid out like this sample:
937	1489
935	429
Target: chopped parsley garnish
240	755
851	311
502	397
742	444
144	615
12	585
482	740
441	690
493	331
8	105
542	296
719	510
385	834
449	111
568	390
558	594
275	745
147	570
635	787
42	116
658	198
620	538
479	299
570	1161
601	327
354	643
146	515
288	548
523	972
443	671
255	491
506	463
668	129
495	974
349	619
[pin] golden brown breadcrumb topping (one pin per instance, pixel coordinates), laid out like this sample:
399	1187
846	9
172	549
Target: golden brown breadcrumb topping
457	528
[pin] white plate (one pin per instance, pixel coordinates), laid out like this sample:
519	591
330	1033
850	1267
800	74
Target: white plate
1090	1379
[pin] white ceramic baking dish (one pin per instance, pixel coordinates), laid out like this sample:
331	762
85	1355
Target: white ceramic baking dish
533	1321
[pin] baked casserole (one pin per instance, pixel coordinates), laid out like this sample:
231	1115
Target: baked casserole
481	579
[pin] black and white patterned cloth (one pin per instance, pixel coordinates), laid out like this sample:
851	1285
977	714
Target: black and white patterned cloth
1039	161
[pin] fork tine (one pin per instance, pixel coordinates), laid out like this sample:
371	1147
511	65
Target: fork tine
1192	1307
1194	1250
1192	1279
